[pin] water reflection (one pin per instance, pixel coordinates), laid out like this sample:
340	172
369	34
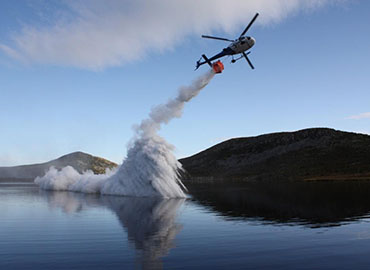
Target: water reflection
70	202
150	225
315	204
149	222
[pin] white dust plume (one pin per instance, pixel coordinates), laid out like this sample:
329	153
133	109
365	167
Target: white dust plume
150	169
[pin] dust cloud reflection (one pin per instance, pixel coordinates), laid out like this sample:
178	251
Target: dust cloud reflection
150	223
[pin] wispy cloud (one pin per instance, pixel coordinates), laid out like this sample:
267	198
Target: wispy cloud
97	34
359	116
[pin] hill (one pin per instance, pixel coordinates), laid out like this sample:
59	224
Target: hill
78	160
310	154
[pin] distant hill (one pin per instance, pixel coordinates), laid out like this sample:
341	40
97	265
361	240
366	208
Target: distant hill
310	154
78	160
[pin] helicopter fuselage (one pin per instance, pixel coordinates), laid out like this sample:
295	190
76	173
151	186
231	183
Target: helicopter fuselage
241	45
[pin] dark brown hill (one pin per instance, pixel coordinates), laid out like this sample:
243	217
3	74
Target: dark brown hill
310	154
78	160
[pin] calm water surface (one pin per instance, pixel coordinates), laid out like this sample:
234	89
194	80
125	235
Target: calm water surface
223	229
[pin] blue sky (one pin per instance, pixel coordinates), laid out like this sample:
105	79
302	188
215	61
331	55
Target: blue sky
64	91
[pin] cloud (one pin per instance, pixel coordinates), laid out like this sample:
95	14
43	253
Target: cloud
359	116
97	34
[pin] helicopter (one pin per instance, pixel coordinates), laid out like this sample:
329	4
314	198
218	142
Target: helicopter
237	46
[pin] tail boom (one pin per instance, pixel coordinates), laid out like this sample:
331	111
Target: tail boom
209	60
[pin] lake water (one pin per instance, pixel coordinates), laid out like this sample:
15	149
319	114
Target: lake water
302	227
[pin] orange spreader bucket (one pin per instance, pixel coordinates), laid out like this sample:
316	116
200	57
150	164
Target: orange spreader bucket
218	67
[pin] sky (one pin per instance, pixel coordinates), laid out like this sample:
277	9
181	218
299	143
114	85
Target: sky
78	75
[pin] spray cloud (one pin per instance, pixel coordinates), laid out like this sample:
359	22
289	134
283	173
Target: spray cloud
150	168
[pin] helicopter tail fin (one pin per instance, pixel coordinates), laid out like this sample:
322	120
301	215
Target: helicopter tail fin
198	65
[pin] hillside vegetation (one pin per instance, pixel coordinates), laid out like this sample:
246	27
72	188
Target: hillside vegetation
78	160
310	154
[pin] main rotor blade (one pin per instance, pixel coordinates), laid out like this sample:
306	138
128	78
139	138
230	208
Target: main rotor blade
224	39
249	25
249	61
